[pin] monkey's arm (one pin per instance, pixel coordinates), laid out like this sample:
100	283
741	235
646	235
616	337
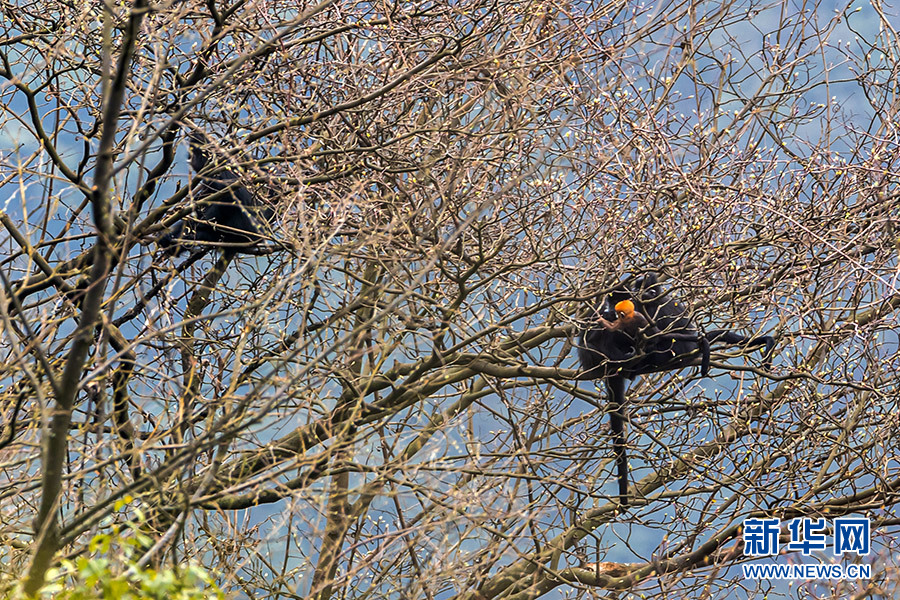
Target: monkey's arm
606	324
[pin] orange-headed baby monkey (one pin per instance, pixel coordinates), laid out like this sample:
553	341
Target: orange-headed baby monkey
630	322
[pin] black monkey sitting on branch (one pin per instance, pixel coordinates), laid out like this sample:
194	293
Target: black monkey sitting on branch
650	333
226	215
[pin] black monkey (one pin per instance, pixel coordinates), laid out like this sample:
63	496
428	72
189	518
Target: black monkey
226	216
613	352
651	333
680	338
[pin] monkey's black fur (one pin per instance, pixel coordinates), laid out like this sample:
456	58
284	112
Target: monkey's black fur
612	355
226	215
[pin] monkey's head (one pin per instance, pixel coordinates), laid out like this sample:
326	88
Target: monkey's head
200	156
625	309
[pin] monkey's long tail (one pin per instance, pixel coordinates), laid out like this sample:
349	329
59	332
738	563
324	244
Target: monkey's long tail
704	356
615	387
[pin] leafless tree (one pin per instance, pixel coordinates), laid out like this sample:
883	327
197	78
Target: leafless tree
381	399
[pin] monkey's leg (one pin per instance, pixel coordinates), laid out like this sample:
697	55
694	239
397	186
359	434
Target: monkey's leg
676	348
736	339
